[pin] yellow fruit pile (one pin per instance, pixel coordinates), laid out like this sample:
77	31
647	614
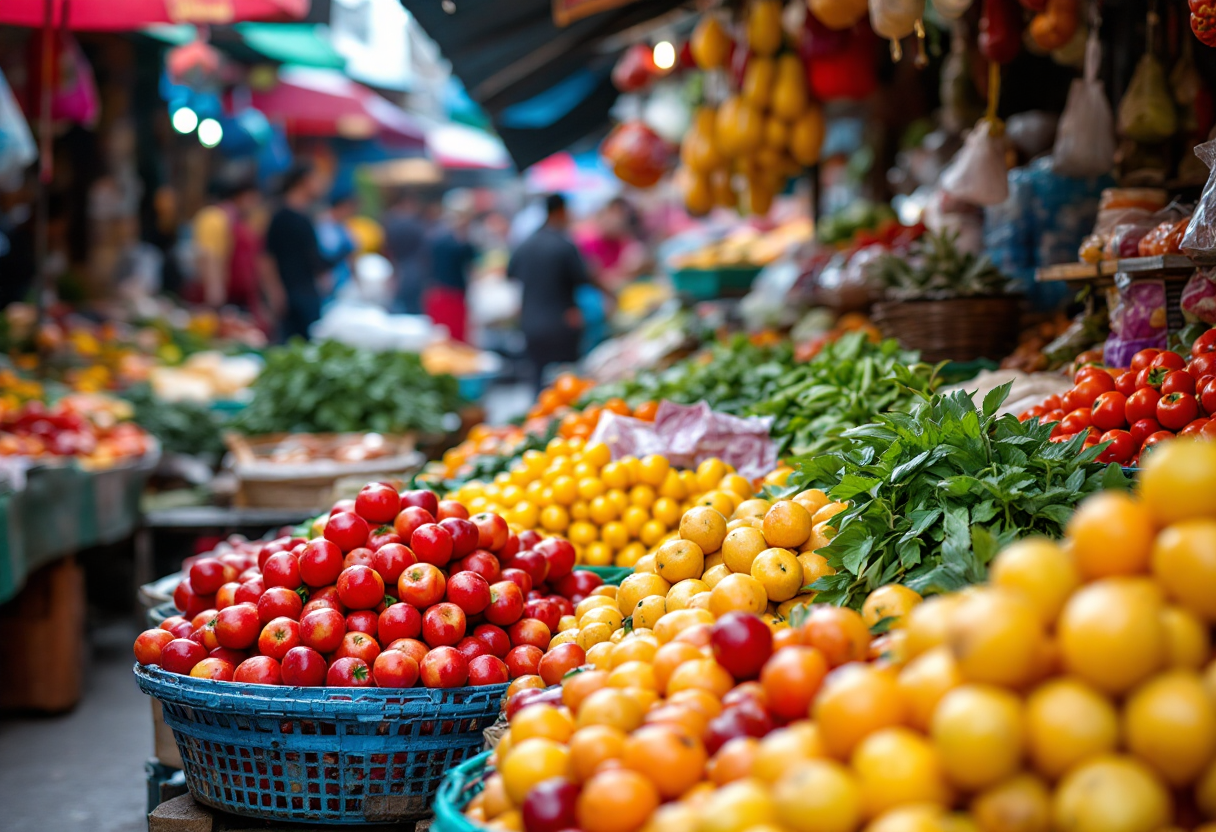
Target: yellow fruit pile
612	511
1075	691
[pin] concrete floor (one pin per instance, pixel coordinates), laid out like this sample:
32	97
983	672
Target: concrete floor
83	770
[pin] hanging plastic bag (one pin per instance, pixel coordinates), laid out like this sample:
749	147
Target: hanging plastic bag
17	148
1200	237
978	174
895	19
1085	141
1146	113
951	9
1199	298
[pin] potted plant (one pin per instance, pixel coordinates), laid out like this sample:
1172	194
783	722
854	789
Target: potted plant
947	303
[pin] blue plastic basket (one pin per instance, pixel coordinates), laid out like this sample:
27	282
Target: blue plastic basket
320	755
460	786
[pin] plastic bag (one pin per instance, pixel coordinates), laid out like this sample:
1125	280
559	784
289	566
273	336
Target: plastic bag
1085	142
1200	237
1199	298
17	148
951	9
895	19
1146	113
978	174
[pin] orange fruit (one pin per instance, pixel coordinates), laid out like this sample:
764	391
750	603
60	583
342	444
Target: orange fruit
855	701
529	763
738	593
705	527
683	717
740	548
494	798
1111	533
671	758
787	525
672	817
1111	633
837	632
523	683
1067	723
709	473
1178	482
681	595
927	623
734	761
678	560
632	675
814	567
648	611
616	800
811	499
1188	644
1184	563
1039	568
578	687
592	746
636	649
996	637
781	750
791	678
737	806
924	681
779	572
543	721
1112	793
700	700
672	624
892	601
896	767
705	674
978	733
1170	723
612	707
636	587
1020	803
818	796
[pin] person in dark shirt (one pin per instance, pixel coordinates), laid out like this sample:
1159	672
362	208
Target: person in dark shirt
550	267
405	235
292	253
451	257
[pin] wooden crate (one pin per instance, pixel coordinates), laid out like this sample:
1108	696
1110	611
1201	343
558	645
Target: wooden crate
43	648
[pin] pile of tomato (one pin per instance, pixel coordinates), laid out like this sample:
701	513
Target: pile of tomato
394	589
1161	395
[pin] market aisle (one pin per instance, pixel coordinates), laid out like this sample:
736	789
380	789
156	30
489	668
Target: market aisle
84	770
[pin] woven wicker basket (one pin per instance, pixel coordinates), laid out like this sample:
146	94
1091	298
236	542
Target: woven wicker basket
955	329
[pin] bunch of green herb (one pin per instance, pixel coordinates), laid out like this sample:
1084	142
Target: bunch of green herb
935	267
935	494
329	387
187	428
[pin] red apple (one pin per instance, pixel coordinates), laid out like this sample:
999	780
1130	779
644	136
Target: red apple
564	605
394	669
359	645
579	582
551	806
444	667
495	639
411	647
529	631
544	611
202	619
149	644
180	655
237	626
342	505
360	587
210	668
559	554
509	548
483	563
528	539
304	667
320	562
250	591
279	602
518	577
559	661
320	604
279	636
382	537
378	503
233	657
432	544
399	621
451	508
741	643
469	591
328	593
534	563
347	529
280	544
225	596
471	647
189	601
207	575
180	629
531	696
323	629
443	625
282	569
362	556
464	535
492	531
173	621
411	519
421	585
524	660
506	604
349	672
421	498
363	621
488	670
390	561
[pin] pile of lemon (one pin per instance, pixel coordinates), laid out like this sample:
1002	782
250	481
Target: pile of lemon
614	512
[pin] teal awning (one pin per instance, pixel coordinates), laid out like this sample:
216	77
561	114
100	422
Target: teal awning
302	44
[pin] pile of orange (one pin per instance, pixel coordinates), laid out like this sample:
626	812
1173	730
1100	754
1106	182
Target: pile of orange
565	391
581	424
1075	691
483	440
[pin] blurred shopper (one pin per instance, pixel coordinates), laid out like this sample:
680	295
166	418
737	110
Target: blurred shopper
294	257
337	244
613	245
227	249
551	269
406	237
451	256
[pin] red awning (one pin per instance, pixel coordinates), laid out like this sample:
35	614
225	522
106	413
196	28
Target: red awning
322	102
125	15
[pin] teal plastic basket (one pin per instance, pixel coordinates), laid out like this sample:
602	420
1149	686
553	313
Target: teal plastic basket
461	785
320	755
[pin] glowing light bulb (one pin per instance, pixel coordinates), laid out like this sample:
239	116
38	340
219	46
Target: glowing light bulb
664	55
185	120
210	133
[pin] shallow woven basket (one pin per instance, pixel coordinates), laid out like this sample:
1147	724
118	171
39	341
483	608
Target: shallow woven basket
955	329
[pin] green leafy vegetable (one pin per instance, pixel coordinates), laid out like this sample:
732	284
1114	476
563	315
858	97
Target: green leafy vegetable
182	427
935	494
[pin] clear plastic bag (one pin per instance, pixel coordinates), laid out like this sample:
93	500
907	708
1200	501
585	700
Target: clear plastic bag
17	148
1085	141
978	174
1137	319
1146	113
895	19
1200	236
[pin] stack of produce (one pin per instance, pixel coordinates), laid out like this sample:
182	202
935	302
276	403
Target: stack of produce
92	429
465	602
1161	395
1072	692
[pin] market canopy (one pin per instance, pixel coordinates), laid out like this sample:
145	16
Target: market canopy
125	15
544	86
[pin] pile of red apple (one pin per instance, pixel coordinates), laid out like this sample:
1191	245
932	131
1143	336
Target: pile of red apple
400	588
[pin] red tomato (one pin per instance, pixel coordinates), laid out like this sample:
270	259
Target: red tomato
1202	365
1152	377
1073	399
1159	436
1176	410
1207	396
1143	405
1143	429
1178	381
1109	410
1205	343
1169	360
1120	449
1055	415
1098	374
1143	358
1126	382
1195	428
1052	402
1077	421
1209	430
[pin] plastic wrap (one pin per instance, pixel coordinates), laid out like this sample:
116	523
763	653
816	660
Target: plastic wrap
1137	320
978	174
1146	113
1085	141
1199	297
689	434
895	19
1200	237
